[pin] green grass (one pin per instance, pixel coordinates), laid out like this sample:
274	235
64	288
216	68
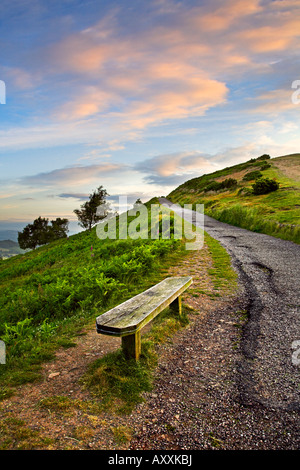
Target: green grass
16	434
223	276
48	295
276	213
254	219
119	383
85	286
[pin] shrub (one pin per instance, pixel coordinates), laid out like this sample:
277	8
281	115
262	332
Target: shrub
216	186
252	175
265	156
229	183
213	186
265	166
264	186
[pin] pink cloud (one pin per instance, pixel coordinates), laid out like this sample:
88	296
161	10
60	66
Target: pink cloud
274	102
219	16
74	176
175	69
175	164
90	102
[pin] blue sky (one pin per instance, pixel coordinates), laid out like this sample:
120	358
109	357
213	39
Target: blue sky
139	96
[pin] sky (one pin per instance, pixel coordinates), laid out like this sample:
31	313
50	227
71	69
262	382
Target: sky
139	96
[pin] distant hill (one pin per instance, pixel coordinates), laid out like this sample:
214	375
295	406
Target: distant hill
228	196
9	248
8	244
9	235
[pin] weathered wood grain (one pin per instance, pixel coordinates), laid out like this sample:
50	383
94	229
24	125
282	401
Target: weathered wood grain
127	319
136	312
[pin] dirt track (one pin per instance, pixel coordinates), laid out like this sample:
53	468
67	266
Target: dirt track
269	271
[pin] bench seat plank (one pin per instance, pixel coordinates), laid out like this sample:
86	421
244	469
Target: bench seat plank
130	316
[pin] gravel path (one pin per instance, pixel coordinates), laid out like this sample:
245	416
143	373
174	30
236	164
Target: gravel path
268	268
209	395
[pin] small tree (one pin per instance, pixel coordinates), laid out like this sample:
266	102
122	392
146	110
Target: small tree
89	214
25	239
58	229
40	233
34	234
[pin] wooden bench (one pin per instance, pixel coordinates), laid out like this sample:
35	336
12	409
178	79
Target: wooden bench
127	319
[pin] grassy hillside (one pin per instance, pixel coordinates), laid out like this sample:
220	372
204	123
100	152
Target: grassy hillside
276	213
48	294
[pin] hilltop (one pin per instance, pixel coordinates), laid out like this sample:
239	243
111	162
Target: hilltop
228	196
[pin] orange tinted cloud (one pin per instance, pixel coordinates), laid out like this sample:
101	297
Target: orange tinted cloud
270	39
90	102
274	102
191	97
73	176
165	166
224	14
175	69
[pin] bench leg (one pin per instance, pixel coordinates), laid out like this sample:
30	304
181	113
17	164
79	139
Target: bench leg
131	345
176	305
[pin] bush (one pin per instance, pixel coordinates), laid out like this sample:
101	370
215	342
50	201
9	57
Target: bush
264	186
213	186
264	157
265	166
229	183
252	175
216	186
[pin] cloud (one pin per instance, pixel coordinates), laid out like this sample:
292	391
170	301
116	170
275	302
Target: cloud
142	79
234	155
275	29
219	16
175	168
108	78
80	196
274	102
19	78
73	176
120	76
175	69
90	102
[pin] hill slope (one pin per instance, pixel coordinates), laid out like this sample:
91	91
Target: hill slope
276	213
48	293
9	248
